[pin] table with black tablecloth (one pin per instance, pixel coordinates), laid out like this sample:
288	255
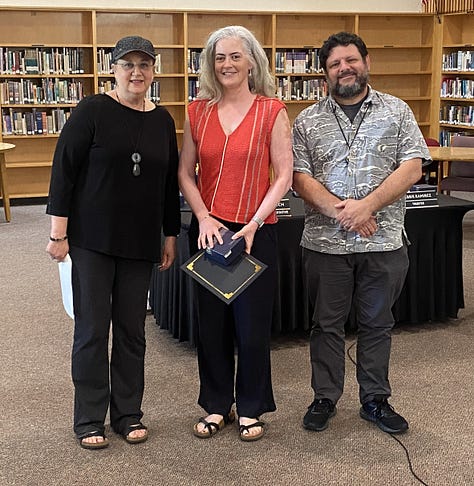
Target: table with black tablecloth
433	289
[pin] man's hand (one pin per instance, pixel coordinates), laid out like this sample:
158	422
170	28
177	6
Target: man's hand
356	215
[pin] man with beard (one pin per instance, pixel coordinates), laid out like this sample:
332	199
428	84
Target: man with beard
356	153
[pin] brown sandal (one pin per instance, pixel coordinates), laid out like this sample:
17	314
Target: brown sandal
211	428
245	428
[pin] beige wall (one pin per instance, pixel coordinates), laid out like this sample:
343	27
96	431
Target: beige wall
244	5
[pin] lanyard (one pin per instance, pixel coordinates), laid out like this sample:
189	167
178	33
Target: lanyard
349	145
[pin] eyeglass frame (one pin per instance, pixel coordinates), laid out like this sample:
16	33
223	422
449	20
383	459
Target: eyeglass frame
140	65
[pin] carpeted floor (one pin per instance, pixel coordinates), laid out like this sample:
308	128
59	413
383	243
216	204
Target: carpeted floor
431	376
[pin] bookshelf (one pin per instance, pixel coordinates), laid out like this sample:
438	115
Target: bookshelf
301	36
456	114
404	50
401	49
50	35
167	32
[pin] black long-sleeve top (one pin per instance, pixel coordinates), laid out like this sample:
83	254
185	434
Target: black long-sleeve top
109	209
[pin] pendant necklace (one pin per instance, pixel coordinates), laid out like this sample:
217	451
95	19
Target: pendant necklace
136	157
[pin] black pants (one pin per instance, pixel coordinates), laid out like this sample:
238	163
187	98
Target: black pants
369	282
108	289
245	322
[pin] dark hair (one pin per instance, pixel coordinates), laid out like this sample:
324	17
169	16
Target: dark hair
341	39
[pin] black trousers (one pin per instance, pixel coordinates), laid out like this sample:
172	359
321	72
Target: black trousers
246	324
108	289
370	283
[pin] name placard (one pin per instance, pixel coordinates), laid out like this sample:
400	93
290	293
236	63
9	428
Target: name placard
283	208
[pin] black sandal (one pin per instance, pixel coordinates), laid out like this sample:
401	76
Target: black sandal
211	428
93	445
135	440
245	428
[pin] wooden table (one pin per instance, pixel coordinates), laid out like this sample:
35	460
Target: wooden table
3	179
450	154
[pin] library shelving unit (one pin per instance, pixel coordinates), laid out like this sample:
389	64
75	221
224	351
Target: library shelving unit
301	35
200	24
402	50
457	72
167	32
31	87
405	51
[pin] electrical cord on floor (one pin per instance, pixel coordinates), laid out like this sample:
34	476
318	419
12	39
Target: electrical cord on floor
391	435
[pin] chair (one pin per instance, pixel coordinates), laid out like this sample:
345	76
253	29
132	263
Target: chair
461	174
430	171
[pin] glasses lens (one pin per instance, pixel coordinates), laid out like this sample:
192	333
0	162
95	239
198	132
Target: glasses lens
129	66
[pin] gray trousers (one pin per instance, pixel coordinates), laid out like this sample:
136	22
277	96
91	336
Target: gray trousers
368	283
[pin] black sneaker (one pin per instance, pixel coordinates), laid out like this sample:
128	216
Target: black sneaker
318	414
384	416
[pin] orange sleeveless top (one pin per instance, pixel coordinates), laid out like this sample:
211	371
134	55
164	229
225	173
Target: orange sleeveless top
234	170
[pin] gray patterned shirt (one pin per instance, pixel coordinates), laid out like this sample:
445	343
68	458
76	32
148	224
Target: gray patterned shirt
383	135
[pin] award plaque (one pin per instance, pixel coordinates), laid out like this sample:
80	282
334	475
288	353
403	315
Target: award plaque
224	281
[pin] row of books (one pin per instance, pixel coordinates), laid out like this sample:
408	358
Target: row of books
289	89
297	62
421	196
457	88
194	61
46	90
445	137
44	60
70	60
107	85
193	89
34	122
104	62
154	92
457	115
458	61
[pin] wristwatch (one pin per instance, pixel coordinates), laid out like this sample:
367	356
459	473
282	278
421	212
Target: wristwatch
259	221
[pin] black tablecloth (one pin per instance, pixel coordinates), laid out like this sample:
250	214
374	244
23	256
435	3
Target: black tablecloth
433	289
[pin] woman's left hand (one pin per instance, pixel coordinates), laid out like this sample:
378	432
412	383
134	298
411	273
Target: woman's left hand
248	232
169	253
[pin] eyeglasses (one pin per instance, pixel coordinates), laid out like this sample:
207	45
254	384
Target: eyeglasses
130	66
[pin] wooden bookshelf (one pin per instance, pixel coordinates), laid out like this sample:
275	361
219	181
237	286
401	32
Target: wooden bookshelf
402	52
297	34
457	80
405	52
29	164
167	32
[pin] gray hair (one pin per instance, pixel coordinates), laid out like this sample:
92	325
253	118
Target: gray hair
261	80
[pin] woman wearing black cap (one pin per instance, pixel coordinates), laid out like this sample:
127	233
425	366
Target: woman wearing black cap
113	191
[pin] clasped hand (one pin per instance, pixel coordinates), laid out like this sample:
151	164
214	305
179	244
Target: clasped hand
355	215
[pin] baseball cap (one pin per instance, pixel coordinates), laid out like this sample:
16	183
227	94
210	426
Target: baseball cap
133	43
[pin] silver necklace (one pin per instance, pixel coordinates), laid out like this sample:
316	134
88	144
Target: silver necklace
136	157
